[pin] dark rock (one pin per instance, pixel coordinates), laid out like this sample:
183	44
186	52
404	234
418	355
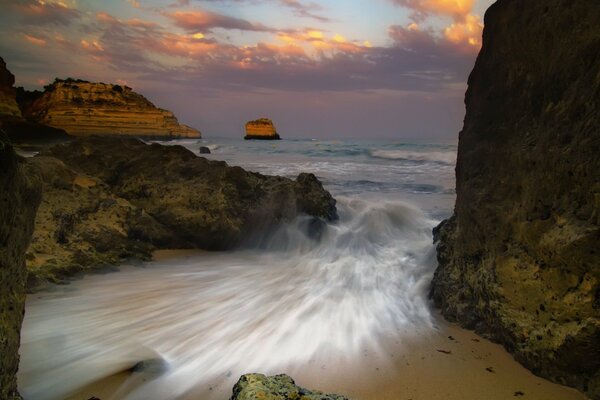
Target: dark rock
525	229
19	199
204	150
278	387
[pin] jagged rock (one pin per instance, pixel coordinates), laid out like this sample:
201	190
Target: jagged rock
519	261
106	199
8	102
84	108
19	199
278	387
262	129
204	150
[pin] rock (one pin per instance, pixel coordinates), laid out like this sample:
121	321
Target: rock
108	199
84	108
19	199
8	102
262	129
519	260
204	150
278	387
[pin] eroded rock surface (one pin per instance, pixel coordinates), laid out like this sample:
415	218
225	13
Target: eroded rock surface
8	102
278	387
19	199
520	261
261	129
106	199
87	108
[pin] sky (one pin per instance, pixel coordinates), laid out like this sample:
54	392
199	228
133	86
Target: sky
319	69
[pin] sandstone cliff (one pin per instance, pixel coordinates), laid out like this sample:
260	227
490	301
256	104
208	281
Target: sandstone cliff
278	387
8	102
19	197
520	260
262	129
84	108
106	199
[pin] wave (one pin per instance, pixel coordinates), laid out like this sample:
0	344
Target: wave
288	301
443	157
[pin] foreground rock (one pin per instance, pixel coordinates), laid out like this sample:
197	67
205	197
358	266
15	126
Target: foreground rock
107	199
84	108
520	260
278	387
19	197
261	129
12	122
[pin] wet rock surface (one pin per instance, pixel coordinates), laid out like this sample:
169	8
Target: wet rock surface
278	387
519	260
108	199
19	199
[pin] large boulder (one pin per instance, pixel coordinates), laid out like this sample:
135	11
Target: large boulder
278	387
19	199
519	261
106	199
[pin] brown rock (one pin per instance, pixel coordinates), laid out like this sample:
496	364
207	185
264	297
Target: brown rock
519	260
19	199
84	108
8	103
261	129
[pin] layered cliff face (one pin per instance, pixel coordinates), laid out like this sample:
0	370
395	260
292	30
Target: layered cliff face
84	108
106	199
8	102
19	197
520	260
262	128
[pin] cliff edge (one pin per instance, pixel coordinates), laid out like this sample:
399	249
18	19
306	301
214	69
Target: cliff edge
519	260
84	108
19	196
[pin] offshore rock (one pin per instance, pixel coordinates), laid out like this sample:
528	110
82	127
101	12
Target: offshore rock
84	108
519	261
278	387
261	129
19	199
108	199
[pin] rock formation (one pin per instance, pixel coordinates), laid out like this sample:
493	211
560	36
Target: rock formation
19	199
84	108
519	260
11	119
261	129
106	199
278	387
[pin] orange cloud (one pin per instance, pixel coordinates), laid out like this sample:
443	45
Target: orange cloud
38	41
457	9
467	32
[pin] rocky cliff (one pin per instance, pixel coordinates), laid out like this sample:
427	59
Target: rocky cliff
262	129
519	261
19	197
8	102
278	387
84	108
106	199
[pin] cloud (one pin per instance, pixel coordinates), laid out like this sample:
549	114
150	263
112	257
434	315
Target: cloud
194	21
469	31
42	12
38	41
305	10
456	9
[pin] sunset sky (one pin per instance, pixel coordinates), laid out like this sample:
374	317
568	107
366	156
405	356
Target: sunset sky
331	68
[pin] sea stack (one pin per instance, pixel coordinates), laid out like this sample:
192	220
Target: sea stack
261	129
8	102
519	260
85	108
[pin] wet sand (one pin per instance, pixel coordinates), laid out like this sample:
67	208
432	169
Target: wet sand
450	364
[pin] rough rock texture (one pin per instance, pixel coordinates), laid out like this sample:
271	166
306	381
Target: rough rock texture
8	102
19	199
84	108
262	129
278	387
520	259
106	199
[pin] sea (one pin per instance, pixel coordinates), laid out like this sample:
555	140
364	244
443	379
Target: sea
191	325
